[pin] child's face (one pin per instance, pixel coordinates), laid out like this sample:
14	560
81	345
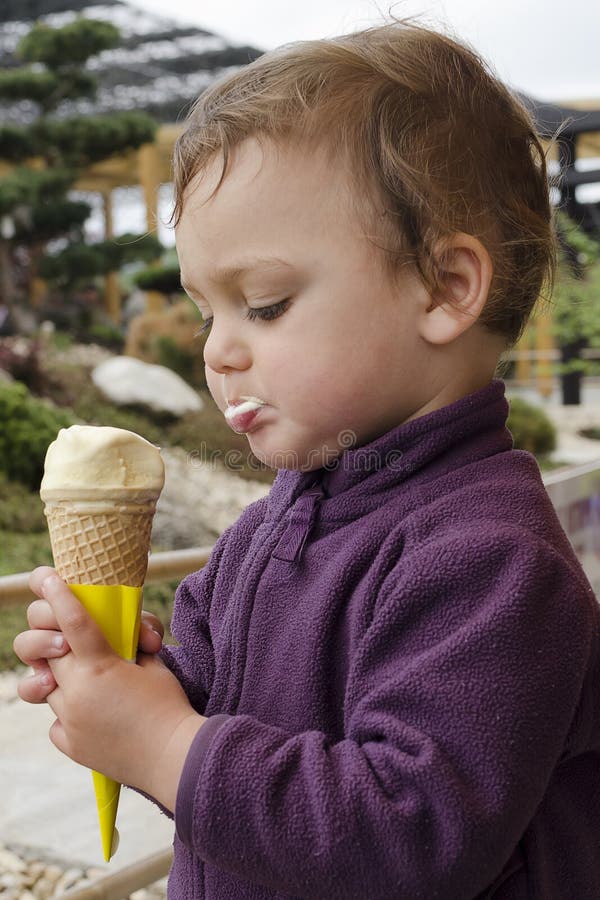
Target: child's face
319	334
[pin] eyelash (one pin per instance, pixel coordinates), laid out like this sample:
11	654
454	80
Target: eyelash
264	313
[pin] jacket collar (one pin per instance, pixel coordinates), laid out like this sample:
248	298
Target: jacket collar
470	428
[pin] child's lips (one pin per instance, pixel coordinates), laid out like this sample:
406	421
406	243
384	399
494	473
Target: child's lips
242	412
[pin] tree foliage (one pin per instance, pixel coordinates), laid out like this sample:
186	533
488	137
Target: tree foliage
49	154
576	296
163	278
60	49
78	262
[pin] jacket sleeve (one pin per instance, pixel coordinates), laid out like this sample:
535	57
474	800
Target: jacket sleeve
459	700
192	660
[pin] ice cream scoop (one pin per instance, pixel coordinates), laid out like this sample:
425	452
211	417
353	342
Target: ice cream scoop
100	489
89	459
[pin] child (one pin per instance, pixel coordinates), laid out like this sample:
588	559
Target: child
388	672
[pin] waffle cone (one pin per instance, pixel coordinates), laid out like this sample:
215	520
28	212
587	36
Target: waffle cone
99	543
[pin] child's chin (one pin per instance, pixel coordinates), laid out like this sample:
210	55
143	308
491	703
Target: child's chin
273	456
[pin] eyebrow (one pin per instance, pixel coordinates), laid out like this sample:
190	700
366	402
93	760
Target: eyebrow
227	274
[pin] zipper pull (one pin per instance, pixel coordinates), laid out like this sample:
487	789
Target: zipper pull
301	519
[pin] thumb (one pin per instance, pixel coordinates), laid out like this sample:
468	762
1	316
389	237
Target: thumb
81	632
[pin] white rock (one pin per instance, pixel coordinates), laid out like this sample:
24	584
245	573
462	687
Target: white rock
53	873
124	380
67	880
10	862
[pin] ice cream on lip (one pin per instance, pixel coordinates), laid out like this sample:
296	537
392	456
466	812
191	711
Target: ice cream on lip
241	413
242	405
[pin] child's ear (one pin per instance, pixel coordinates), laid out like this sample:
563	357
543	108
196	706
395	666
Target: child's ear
465	270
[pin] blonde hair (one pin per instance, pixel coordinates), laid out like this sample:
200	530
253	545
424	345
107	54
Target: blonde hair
436	144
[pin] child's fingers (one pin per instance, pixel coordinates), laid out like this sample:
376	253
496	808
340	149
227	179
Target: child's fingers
35	688
32	646
40	615
153	622
37	578
151	633
81	632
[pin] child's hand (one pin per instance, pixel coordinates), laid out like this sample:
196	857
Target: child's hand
134	723
45	641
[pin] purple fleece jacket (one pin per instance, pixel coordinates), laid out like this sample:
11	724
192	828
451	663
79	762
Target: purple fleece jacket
399	662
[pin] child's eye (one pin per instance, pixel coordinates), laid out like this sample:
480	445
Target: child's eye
266	313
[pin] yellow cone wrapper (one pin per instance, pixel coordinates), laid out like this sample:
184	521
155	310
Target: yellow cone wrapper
117	611
100	490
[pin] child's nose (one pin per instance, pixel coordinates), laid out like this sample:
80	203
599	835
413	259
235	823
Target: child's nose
225	349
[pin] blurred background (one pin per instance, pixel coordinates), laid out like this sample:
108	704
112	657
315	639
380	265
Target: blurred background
94	327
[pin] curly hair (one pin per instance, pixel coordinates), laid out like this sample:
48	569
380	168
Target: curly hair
435	142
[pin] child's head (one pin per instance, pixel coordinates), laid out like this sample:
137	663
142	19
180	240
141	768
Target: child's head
418	164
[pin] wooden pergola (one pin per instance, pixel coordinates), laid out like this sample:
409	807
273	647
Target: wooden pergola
148	167
572	129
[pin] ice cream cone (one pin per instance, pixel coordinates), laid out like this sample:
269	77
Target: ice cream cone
100	490
100	542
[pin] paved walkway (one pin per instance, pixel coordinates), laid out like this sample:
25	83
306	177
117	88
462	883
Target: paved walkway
47	802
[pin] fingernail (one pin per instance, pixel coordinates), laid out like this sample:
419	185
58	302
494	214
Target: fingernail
58	641
46	678
49	583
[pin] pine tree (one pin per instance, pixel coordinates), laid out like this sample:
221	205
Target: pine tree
48	155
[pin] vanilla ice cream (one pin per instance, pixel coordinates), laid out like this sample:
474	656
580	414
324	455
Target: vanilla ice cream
100	489
102	463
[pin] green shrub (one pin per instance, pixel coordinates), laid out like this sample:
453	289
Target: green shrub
158	599
21	510
28	426
593	434
168	353
531	428
106	335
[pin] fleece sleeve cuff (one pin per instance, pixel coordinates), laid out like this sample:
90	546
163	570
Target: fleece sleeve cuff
186	791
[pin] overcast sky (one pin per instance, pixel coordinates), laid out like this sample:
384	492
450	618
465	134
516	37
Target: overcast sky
547	48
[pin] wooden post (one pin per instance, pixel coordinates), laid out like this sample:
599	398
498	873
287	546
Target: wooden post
545	345
523	364
112	294
37	291
149	174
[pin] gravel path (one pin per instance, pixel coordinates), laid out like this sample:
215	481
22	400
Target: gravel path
24	876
